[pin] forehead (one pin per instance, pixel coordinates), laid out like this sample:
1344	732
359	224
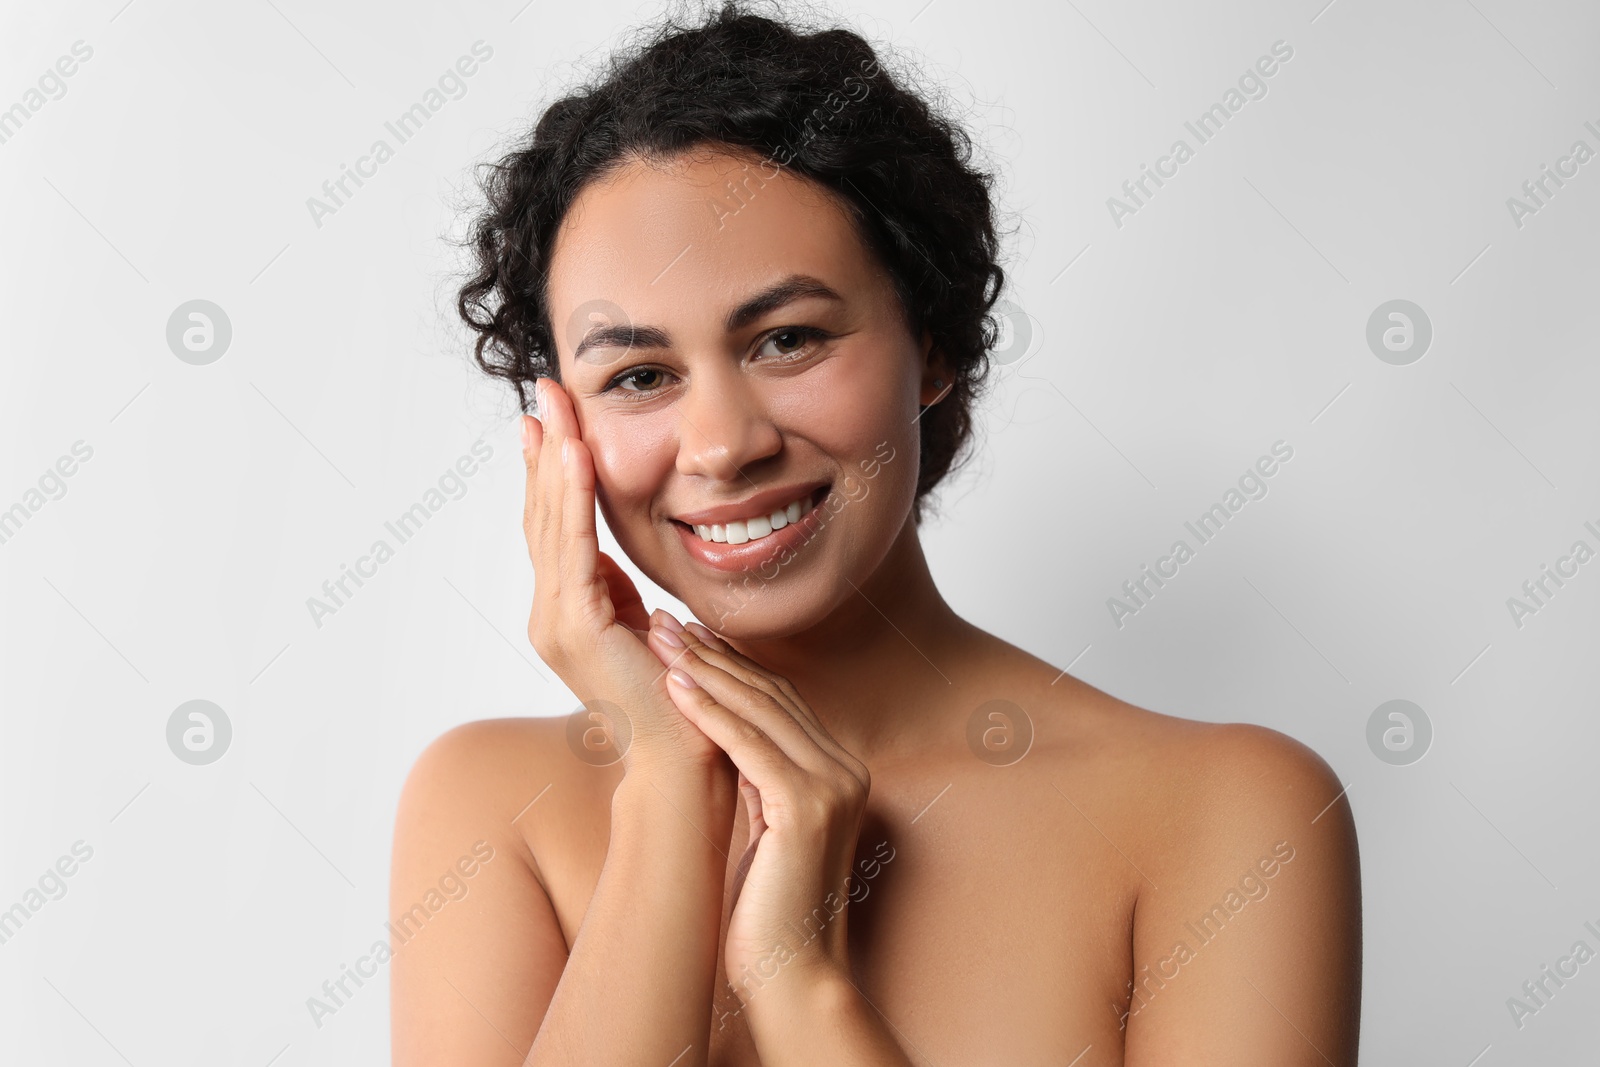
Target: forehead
698	233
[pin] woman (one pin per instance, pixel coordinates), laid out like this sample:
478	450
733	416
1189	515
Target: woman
748	276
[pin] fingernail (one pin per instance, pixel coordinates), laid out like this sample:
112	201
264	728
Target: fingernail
527	433
669	622
668	637
564	451
682	679
704	634
538	395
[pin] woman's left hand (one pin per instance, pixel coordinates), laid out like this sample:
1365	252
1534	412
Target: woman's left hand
804	796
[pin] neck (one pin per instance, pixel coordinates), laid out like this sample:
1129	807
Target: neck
878	663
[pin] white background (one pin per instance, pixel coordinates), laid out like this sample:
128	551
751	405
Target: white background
1166	355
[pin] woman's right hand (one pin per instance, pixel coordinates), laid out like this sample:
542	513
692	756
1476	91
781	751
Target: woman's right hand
588	621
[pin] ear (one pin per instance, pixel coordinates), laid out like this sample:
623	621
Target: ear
934	367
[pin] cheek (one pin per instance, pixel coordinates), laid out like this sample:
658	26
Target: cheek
862	414
856	401
631	459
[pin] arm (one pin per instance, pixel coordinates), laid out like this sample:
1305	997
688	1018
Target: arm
488	979
639	983
492	981
1250	950
825	1019
805	796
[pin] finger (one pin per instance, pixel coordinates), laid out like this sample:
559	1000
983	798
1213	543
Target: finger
752	800
580	545
548	396
780	689
624	594
557	412
547	516
741	666
708	637
751	667
751	749
532	438
755	826
555	453
754	813
659	638
763	712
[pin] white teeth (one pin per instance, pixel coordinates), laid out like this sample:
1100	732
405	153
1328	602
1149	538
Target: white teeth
738	533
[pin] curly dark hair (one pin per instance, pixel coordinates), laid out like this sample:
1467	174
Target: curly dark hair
816	100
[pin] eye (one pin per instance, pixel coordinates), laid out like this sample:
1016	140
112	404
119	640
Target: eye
633	375
792	340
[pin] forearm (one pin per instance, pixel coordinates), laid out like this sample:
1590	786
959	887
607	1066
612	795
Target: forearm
637	986
824	1019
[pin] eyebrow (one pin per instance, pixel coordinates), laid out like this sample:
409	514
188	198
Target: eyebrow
794	287
630	335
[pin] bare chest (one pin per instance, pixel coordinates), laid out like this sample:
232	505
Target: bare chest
988	922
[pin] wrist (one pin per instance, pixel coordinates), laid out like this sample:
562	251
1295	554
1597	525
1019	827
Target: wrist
784	1015
687	785
797	990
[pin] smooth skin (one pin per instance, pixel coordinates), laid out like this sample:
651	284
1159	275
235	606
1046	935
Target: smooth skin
772	841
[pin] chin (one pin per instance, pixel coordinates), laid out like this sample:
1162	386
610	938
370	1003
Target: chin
766	612
768	602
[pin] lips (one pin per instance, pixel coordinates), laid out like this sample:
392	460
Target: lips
757	527
756	553
762	503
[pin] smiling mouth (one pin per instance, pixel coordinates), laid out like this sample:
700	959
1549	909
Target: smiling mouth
757	528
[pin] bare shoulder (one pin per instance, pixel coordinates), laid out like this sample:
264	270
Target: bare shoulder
487	775
481	835
482	763
1232	769
1215	775
489	741
1246	853
1165	773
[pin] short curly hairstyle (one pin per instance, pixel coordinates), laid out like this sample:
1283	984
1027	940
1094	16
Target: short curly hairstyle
817	101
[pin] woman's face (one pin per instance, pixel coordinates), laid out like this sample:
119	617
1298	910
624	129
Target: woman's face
769	357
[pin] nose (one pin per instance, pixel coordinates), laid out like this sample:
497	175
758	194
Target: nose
724	427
